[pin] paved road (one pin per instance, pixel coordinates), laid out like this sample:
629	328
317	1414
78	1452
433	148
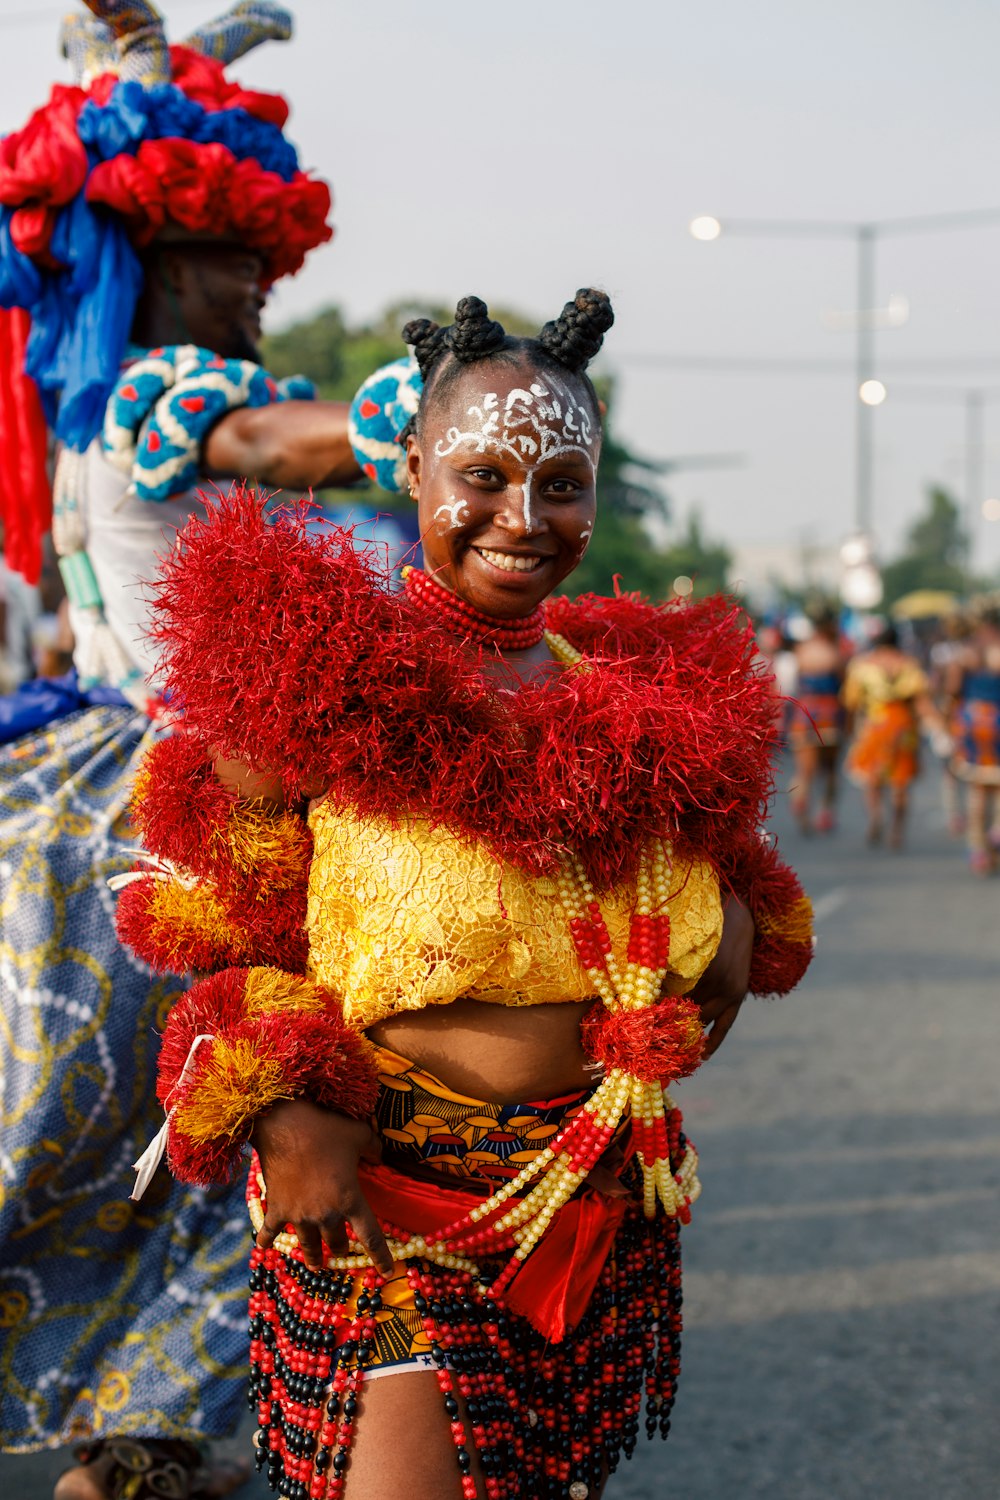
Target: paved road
843	1270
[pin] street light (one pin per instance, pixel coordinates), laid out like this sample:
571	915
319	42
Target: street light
865	235
872	392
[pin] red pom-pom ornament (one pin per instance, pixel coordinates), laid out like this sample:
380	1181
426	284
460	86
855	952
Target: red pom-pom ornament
659	1043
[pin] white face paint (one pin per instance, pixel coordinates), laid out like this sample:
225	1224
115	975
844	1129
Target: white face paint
453	512
585	536
532	425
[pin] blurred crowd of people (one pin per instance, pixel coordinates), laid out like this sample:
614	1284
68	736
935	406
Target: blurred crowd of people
863	699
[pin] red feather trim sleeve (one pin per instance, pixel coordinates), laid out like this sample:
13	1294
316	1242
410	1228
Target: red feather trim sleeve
237	1043
227	881
782	913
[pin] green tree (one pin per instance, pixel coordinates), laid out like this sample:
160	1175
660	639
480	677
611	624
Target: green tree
933	557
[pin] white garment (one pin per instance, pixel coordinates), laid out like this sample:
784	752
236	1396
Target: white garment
124	537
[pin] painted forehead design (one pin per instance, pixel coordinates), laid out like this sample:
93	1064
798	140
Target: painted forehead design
532	425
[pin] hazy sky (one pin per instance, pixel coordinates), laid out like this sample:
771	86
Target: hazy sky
520	150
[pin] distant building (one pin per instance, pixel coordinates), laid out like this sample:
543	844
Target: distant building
762	571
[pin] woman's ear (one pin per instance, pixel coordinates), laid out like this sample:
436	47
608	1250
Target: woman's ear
413	466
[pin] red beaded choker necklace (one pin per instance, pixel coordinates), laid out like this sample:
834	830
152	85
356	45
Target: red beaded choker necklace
471	624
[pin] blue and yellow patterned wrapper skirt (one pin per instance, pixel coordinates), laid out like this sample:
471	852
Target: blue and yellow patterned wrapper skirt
114	1317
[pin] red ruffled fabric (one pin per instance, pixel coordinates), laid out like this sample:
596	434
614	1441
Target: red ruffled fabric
202	187
207	190
45	162
204	80
25	495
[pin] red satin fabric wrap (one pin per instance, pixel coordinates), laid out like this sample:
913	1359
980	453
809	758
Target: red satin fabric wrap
555	1284
25	495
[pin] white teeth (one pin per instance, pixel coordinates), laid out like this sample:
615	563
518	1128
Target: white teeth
509	563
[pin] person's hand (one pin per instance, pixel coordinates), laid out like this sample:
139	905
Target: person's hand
722	988
309	1158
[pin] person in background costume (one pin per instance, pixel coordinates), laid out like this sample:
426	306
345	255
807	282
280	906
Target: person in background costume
465	878
955	632
816	723
886	695
145	210
972	678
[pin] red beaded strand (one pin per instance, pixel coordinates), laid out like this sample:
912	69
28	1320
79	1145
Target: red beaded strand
471	624
546	1420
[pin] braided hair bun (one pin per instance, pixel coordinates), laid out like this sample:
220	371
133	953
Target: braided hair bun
474	334
429	341
578	333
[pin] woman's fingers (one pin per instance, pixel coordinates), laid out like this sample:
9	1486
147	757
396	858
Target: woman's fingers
311	1242
721	1029
334	1228
366	1227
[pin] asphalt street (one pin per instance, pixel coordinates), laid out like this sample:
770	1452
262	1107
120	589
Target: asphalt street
843	1269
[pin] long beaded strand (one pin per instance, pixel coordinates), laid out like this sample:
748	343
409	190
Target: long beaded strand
635	988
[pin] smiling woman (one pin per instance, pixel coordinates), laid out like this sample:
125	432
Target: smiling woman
507	496
447	1013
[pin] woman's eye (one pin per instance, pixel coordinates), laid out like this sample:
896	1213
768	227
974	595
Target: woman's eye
562	489
485	476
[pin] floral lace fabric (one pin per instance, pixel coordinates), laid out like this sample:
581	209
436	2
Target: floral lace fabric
405	916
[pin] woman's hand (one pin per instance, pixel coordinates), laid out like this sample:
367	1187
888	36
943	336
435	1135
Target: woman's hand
722	988
310	1162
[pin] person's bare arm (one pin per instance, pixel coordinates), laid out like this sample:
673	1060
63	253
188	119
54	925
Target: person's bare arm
722	988
296	445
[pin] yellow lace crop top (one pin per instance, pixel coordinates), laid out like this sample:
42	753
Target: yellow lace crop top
405	916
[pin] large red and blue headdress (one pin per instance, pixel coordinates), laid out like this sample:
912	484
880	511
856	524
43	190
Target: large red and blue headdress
150	141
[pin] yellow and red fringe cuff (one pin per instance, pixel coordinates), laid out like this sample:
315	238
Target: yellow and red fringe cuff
225	882
783	918
238	1042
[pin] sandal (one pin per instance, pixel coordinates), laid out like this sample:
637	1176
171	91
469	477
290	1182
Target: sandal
124	1468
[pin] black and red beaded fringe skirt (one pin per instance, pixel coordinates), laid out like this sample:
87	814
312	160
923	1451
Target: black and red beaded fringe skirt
546	1419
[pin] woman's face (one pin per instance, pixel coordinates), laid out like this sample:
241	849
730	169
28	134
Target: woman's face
503	474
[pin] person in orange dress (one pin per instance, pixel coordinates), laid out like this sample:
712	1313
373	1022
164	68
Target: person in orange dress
887	695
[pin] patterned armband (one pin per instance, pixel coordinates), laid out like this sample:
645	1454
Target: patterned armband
238	1042
221	882
164	407
380	413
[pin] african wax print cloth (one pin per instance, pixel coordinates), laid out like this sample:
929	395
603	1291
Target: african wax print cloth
114	1317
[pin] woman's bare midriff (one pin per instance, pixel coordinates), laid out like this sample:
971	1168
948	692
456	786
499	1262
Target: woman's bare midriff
501	1054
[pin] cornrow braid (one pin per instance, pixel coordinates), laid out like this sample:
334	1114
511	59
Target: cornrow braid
578	333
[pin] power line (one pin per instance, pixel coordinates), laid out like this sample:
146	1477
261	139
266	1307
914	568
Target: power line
725	364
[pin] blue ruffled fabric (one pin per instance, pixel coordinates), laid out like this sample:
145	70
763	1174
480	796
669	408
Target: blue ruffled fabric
80	319
44	700
134	114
